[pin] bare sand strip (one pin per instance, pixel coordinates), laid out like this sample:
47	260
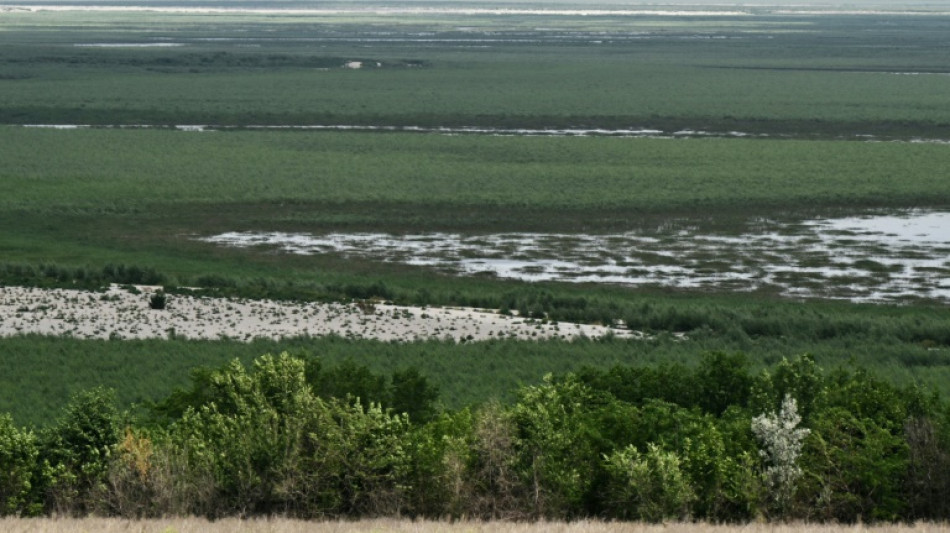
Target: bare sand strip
119	313
281	525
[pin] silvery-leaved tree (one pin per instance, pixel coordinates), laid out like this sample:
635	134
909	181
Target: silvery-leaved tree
782	441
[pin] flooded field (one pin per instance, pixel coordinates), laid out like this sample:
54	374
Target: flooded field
380	10
526	132
632	132
872	258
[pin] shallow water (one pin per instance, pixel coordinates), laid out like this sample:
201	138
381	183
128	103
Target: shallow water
395	10
463	130
873	258
128	45
632	132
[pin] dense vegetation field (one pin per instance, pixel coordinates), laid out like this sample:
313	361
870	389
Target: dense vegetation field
400	526
744	114
824	75
119	170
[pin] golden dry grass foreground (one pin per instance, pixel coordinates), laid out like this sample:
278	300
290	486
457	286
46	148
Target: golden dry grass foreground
196	525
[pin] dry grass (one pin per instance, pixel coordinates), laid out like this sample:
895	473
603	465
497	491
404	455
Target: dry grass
196	525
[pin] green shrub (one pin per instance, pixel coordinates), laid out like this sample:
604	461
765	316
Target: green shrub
158	300
18	453
647	486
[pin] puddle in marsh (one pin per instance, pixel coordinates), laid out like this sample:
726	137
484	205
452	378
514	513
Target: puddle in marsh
462	130
128	45
874	258
633	132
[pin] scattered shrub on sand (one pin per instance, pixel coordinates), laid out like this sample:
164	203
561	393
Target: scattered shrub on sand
158	300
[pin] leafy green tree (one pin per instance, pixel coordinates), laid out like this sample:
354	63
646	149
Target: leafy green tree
740	495
173	406
18	453
639	384
411	393
264	443
555	456
75	454
349	380
492	485
647	486
247	438
370	456
927	482
801	378
866	396
698	442
854	469
724	381
438	454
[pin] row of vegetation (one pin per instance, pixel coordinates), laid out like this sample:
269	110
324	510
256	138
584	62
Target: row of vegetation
287	437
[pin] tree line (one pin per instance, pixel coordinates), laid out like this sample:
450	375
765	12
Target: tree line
289	437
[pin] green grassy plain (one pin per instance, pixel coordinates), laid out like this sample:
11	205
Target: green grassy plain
78	171
816	76
809	85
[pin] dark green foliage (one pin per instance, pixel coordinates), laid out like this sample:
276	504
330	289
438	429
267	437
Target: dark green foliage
411	393
260	441
53	275
18	452
180	400
639	384
720	381
723	381
75	454
158	301
927	479
131	275
799	378
349	381
407	392
858	464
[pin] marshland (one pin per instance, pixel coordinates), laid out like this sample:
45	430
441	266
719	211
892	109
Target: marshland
482	260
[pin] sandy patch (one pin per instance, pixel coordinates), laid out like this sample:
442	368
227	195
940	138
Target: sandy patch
122	314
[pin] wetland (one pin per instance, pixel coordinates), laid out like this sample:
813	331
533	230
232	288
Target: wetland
610	237
870	258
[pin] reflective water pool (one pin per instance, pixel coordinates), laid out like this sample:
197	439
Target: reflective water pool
872	258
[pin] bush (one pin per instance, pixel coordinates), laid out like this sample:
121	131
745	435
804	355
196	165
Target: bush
649	486
75	454
158	300
18	454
